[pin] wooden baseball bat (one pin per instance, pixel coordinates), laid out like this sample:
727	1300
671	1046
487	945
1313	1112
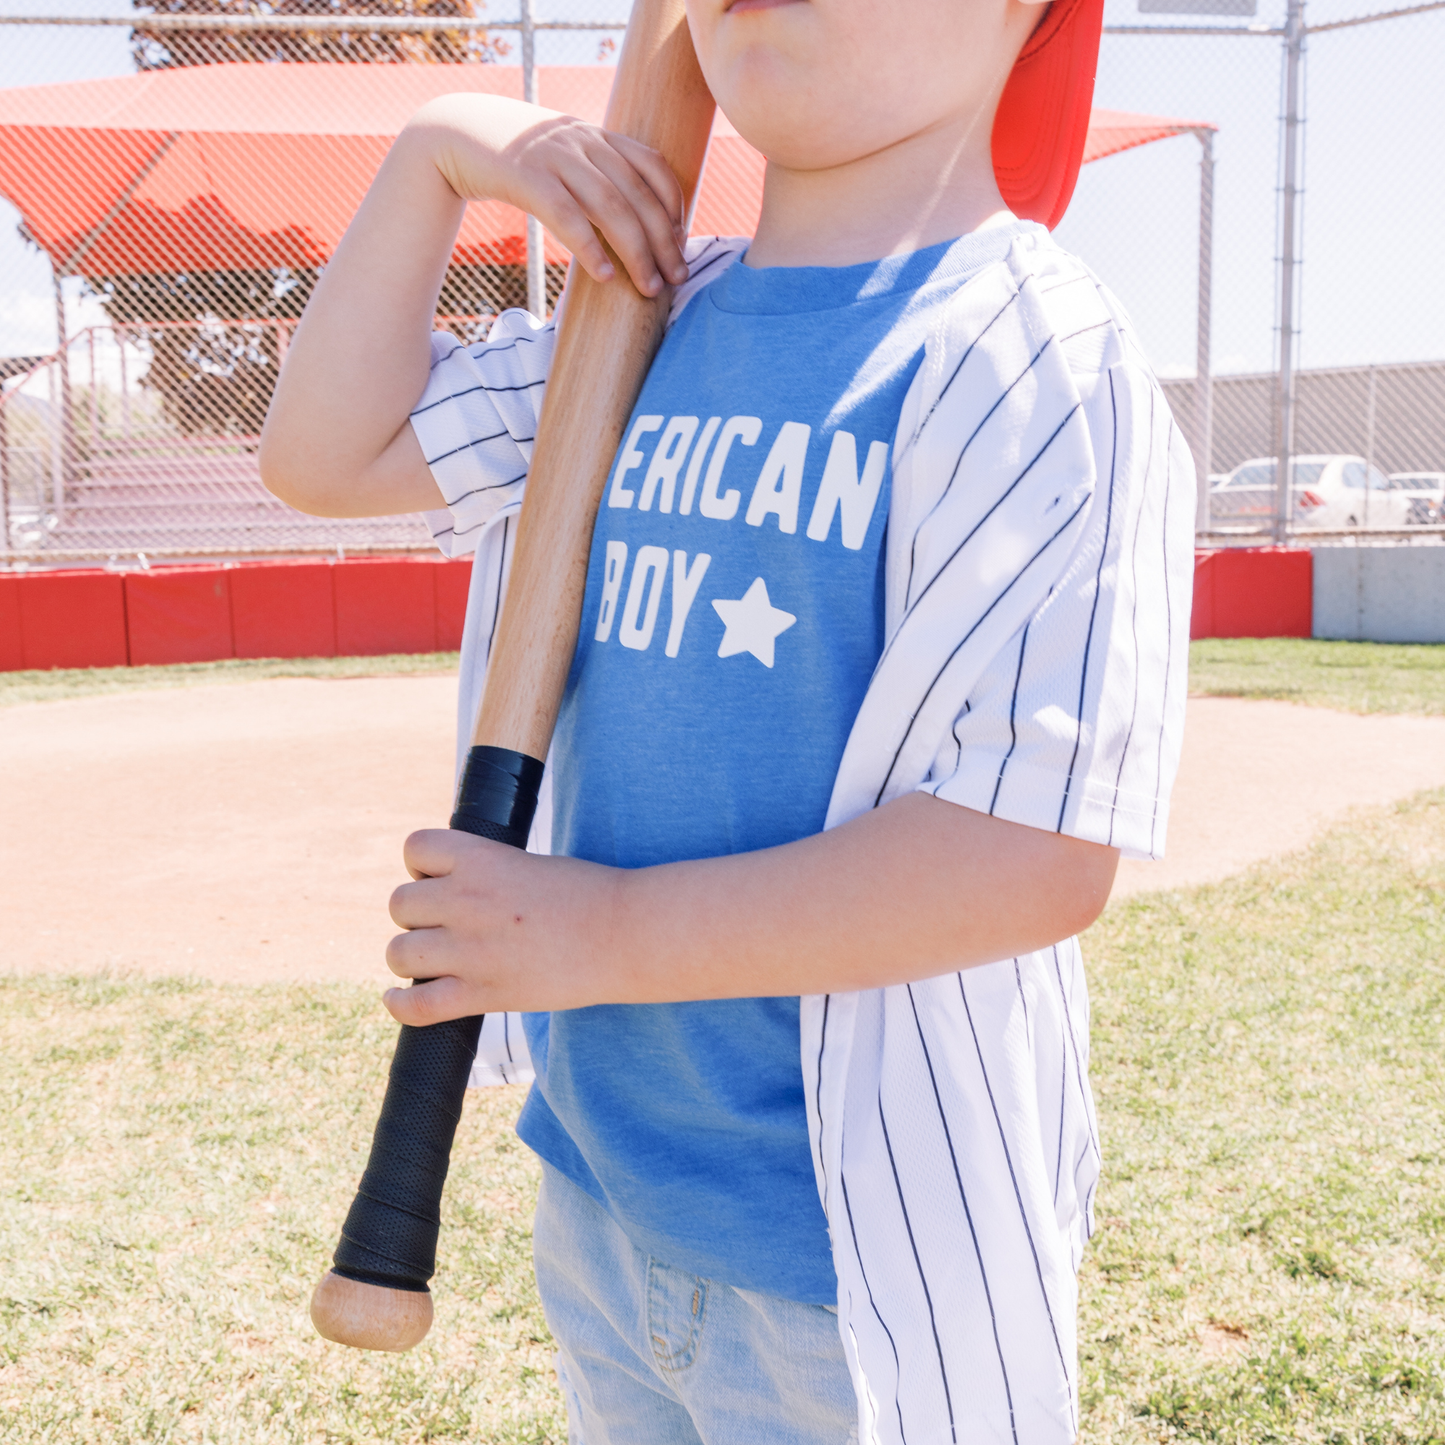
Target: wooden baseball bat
376	1296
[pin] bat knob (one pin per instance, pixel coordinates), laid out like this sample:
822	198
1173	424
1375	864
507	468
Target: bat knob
369	1316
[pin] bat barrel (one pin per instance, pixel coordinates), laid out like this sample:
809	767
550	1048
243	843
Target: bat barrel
387	1252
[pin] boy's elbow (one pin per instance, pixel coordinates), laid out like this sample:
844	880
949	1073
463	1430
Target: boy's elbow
286	476
1086	878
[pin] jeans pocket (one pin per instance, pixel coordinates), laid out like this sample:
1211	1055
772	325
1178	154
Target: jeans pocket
676	1309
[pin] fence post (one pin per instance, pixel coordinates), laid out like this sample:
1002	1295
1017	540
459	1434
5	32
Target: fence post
61	419
4	467
124	386
1369	441
536	256
1203	366
1294	35
94	399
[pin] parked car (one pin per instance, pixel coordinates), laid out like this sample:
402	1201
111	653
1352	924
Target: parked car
1326	491
1426	491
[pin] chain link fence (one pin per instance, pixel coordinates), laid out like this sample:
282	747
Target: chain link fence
173	218
173	182
1320	334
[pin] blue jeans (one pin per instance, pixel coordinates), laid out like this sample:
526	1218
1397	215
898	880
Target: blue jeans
651	1355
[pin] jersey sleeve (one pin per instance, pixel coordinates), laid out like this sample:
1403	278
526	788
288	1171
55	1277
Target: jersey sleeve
1075	725
476	421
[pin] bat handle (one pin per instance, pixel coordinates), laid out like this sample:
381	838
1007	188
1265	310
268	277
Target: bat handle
375	1296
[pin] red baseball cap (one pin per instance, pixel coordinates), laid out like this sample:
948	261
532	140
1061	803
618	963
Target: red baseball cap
1043	115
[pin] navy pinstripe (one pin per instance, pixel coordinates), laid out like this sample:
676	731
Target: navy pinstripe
1013	1179
922	1278
1094	605
967	1212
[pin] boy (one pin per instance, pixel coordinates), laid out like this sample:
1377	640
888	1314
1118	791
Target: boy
799	976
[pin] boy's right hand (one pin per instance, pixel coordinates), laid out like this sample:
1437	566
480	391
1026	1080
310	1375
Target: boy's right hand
570	175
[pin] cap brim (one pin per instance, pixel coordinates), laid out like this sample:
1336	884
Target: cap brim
1042	120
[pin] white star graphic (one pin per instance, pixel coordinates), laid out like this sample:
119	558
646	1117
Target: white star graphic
753	623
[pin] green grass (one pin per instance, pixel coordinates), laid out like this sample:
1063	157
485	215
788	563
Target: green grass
1349	676
177	1159
1269	1263
1270	1258
37	686
1352	676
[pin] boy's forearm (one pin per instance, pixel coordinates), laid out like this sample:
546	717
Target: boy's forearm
336	440
917	888
360	355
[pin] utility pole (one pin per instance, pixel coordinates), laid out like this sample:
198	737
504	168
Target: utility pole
536	257
1294	40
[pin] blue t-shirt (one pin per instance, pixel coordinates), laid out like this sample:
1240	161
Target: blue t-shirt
732	619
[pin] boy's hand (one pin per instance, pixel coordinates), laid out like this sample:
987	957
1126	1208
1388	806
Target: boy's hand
570	175
494	928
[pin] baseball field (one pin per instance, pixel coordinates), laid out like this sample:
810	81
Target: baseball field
193	883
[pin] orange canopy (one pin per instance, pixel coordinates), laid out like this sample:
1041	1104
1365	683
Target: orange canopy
1111	131
228	167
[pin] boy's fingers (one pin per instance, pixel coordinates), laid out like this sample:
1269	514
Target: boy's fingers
430	853
653	169
659	222
418	905
427	1003
419	953
613	215
569	224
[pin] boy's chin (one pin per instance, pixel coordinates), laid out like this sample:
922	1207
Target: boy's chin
800	142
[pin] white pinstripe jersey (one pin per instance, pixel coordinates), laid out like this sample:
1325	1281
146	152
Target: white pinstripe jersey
1038	579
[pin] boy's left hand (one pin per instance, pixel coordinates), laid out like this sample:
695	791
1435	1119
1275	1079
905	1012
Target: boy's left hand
494	929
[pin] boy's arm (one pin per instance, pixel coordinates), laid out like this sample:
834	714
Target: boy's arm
916	888
336	440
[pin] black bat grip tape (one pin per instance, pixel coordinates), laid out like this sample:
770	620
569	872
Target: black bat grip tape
390	1234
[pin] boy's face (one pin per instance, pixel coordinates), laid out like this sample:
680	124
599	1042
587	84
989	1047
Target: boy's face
819	83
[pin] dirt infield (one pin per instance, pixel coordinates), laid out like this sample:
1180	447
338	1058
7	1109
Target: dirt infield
252	832
1262	778
241	832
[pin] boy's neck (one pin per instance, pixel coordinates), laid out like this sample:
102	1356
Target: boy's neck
928	188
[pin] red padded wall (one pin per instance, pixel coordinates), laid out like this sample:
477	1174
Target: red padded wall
284	609
96	618
1253	592
179	614
72	619
385	606
11	659
453	579
1201	617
